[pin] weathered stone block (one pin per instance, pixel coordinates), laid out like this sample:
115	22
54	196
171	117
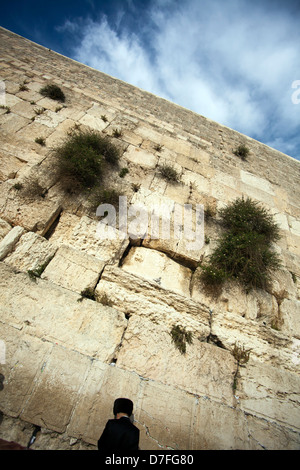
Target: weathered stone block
134	295
86	235
158	267
31	252
52	313
25	355
73	269
257	182
37	215
56	389
10	165
103	384
140	157
204	369
94	122
271	393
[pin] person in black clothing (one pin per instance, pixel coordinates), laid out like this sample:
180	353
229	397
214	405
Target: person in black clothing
120	434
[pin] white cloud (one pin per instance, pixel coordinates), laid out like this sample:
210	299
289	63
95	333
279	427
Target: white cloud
233	62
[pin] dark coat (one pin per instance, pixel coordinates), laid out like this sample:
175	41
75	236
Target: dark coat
119	435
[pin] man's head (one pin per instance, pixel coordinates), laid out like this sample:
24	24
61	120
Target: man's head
123	405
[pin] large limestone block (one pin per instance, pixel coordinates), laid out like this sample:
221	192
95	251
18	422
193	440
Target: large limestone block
170	227
282	285
24	359
176	145
219	427
73	269
158	267
167	415
36	215
11	122
52	313
134	295
204	369
56	389
103	384
256	304
10	165
31	252
178	250
88	236
149	133
271	393
94	122
25	109
140	157
257	182
49	118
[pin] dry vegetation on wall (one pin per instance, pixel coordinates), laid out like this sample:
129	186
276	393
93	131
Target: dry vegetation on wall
244	251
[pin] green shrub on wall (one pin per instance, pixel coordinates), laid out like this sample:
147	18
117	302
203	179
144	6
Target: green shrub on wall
83	155
244	251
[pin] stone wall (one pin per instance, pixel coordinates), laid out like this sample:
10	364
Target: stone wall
66	357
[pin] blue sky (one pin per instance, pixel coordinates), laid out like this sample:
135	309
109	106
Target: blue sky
233	61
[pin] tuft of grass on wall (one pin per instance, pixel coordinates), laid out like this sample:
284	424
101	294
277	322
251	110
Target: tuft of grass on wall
169	173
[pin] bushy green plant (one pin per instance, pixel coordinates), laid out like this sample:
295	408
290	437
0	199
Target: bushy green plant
83	154
212	275
53	91
244	252
246	215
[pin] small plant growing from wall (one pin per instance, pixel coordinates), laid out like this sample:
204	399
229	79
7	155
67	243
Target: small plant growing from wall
105	300
7	108
244	251
242	151
241	354
169	173
87	293
123	172
117	133
54	92
180	337
37	272
32	189
23	87
41	141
